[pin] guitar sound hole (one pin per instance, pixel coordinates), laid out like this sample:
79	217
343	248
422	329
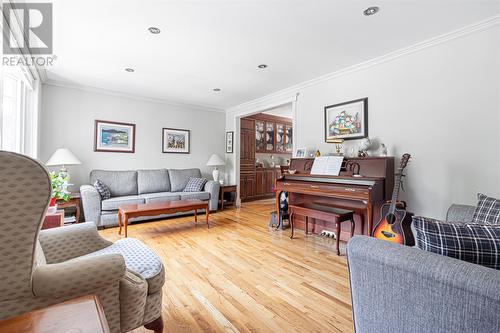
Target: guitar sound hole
387	234
390	218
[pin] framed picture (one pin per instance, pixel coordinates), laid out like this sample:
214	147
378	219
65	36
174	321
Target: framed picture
348	120
229	142
175	140
301	152
111	136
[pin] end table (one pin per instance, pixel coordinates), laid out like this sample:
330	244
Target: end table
74	201
231	189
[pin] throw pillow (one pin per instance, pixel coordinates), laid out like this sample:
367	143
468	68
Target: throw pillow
195	184
475	243
487	210
102	189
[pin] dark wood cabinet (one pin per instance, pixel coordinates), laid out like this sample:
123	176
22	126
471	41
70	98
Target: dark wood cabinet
264	182
261	134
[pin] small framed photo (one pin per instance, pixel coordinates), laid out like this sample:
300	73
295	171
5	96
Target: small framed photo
348	120
301	152
112	136
175	140
229	142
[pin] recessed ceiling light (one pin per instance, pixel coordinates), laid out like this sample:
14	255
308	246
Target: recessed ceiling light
130	70
262	66
154	30
216	89
371	11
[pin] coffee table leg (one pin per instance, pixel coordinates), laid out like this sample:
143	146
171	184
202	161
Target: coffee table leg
196	216
206	213
120	222
125	223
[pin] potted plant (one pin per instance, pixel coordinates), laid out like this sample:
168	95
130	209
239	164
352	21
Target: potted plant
60	183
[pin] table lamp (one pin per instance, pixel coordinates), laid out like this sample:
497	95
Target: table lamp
63	157
215	161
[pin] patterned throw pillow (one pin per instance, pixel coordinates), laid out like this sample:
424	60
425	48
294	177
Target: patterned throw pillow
487	210
475	243
195	184
102	189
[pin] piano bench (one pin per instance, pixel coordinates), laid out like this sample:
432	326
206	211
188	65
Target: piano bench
322	212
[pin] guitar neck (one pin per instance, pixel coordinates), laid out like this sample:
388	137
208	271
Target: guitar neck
395	193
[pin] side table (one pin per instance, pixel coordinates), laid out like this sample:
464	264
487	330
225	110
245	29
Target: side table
53	220
74	201
231	189
83	314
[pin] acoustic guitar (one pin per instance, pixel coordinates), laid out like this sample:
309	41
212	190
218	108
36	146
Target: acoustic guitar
395	223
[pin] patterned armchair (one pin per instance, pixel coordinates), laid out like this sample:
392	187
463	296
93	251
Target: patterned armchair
40	268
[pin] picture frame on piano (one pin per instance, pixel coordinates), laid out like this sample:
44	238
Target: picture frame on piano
301	153
347	120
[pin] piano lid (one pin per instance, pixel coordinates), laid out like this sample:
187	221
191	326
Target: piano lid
347	180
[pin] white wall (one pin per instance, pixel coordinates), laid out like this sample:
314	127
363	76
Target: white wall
441	104
67	120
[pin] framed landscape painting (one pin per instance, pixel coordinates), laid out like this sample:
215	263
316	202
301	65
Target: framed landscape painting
229	142
175	140
348	120
111	136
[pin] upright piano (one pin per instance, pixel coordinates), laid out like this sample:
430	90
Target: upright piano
363	194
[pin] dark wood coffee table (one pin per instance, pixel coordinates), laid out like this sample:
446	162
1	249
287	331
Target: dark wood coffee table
167	207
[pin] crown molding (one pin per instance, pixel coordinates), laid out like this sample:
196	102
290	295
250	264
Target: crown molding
97	90
275	97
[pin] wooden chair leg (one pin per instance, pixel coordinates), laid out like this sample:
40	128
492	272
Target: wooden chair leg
307	224
353	225
337	226
291	224
156	325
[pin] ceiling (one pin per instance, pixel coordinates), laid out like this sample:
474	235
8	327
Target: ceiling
219	43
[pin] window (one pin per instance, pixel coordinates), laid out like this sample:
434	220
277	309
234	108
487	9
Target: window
18	116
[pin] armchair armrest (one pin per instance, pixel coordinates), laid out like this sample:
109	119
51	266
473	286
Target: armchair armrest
78	277
212	187
61	244
91	202
398	288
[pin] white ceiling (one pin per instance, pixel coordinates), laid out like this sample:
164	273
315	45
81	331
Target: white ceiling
219	43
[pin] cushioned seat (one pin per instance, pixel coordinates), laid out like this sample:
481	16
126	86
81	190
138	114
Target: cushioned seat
160	196
114	203
194	195
138	258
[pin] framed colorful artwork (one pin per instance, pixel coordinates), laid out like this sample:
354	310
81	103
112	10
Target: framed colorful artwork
175	141
348	120
111	136
229	142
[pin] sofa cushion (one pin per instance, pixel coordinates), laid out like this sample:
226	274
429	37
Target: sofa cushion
179	178
161	196
487	210
114	203
103	189
152	181
194	195
475	243
195	185
120	183
138	258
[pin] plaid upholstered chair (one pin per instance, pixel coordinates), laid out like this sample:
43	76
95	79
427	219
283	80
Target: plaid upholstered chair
40	268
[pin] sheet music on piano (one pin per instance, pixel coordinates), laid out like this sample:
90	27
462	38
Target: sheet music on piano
327	165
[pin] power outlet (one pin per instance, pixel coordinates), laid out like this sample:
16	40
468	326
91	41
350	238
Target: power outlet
328	233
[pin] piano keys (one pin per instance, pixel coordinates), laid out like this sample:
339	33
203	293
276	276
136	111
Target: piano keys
363	194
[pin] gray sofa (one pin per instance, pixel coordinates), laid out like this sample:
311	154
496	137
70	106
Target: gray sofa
141	186
403	289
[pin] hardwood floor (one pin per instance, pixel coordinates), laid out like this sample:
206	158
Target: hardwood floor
240	276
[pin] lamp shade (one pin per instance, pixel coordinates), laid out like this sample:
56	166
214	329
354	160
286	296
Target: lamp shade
215	160
63	156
